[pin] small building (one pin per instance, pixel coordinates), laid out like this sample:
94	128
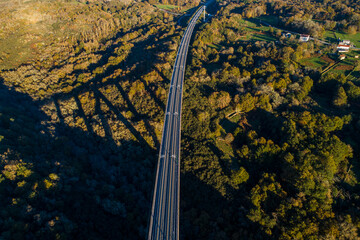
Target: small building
357	56
342	57
304	37
344	42
343	48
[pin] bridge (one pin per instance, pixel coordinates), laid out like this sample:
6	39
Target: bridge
164	219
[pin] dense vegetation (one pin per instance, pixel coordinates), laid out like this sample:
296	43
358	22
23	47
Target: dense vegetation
181	3
274	142
270	146
312	17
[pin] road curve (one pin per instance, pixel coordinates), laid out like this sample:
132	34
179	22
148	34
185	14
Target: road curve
164	219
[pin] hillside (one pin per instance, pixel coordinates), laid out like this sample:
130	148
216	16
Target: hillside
80	123
270	125
41	30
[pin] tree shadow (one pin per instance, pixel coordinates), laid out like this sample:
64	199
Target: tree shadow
237	10
58	110
266	124
228	125
205	213
165	78
142	60
148	127
82	115
68	184
152	94
121	117
103	120
225	163
206	90
140	69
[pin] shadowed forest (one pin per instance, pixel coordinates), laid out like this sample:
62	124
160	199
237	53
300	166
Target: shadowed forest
79	138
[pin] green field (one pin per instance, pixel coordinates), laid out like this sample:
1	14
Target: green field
332	36
262	37
273	20
315	62
354	75
216	46
253	31
225	148
166	7
256	31
345	67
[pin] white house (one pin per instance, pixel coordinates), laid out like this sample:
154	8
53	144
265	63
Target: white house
343	48
304	37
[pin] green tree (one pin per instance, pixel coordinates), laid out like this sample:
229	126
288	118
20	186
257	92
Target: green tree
246	103
340	98
240	176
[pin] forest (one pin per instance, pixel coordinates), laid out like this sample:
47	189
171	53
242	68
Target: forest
270	146
275	140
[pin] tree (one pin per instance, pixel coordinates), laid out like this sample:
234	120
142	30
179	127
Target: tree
340	98
352	91
246	103
240	176
220	99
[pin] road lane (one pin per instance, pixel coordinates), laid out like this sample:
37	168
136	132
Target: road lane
164	220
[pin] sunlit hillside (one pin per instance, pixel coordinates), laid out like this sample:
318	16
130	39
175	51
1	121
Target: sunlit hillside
37	30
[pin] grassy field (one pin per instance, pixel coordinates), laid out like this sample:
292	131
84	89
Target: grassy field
262	37
253	32
329	36
225	148
332	36
315	62
256	32
354	75
273	20
166	7
345	67
216	46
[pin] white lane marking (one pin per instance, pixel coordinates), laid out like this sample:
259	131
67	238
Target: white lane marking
188	34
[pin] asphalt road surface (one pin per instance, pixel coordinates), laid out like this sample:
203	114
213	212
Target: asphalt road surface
164	220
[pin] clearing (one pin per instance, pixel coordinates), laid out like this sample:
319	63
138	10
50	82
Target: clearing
332	37
257	32
166	7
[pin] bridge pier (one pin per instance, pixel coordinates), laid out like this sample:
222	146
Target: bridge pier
204	13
